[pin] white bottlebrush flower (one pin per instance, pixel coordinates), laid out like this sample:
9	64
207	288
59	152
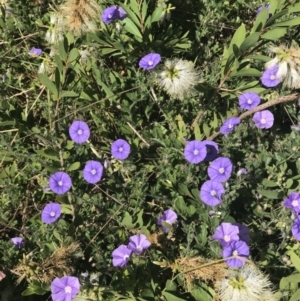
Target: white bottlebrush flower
245	284
55	32
42	68
288	61
178	78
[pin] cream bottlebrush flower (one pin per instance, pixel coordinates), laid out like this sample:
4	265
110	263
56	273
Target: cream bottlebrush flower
178	78
55	32
245	284
79	15
288	61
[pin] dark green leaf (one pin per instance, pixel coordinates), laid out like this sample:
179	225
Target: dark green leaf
48	84
274	34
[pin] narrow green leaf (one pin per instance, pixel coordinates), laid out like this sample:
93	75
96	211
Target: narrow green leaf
48	84
237	39
69	94
273	4
59	63
171	297
132	16
63	49
73	55
247	72
270	194
49	154
274	34
295	8
73	166
262	58
156	14
131	28
294	259
144	10
260	21
250	41
269	183
296	296
276	16
290	22
198	135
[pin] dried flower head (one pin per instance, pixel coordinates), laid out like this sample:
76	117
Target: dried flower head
288	61
246	283
178	78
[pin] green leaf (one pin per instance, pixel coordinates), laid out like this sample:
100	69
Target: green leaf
260	21
296	296
59	63
127	221
171	297
274	34
69	94
48	84
131	28
180	205
73	166
273	4
277	16
156	14
295	8
73	55
294	259
132	16
237	39
269	183
291	22
293	278
63	49
289	183
261	58
66	209
284	284
49	154
184	190
144	10
247	72
198	135
250	41
270	194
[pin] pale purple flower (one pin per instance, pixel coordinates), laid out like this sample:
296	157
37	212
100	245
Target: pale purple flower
211	193
169	217
195	151
138	243
244	233
242	171
296	228
60	182
269	77
79	131
92	171
113	13
220	169
249	100
120	149
236	248
35	51
267	6
150	61
229	125
121	256
212	150
226	233
51	213
293	202
18	242
263	119
65	288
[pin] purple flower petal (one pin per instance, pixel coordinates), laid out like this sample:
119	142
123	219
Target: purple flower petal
269	77
211	193
149	61
18	242
60	182
220	169
120	149
65	288
35	51
121	256
229	125
51	213
236	248
169	217
293	202
212	150
226	233
79	131
263	119
249	100
138	243
267	6
244	233
92	171
195	151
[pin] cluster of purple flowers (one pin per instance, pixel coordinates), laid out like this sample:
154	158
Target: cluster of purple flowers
113	13
293	202
234	238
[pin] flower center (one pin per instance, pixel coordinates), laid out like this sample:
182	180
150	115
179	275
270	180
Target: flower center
263	121
150	63
79	132
227	238
68	289
295	203
235	253
167	221
221	170
94	171
213	193
230	125
120	149
195	152
126	257
60	183
109	16
273	77
52	213
249	101
139	248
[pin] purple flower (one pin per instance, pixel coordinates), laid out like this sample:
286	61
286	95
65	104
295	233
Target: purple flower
212	150
138	243
269	77
120	149
121	256
226	233
92	171
65	288
18	242
249	100
263	119
244	233
169	217
211	193
79	131
267	6
220	169
149	61
51	213
35	51
236	248
60	182
293	202
229	125
195	151
113	13
242	171
296	228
